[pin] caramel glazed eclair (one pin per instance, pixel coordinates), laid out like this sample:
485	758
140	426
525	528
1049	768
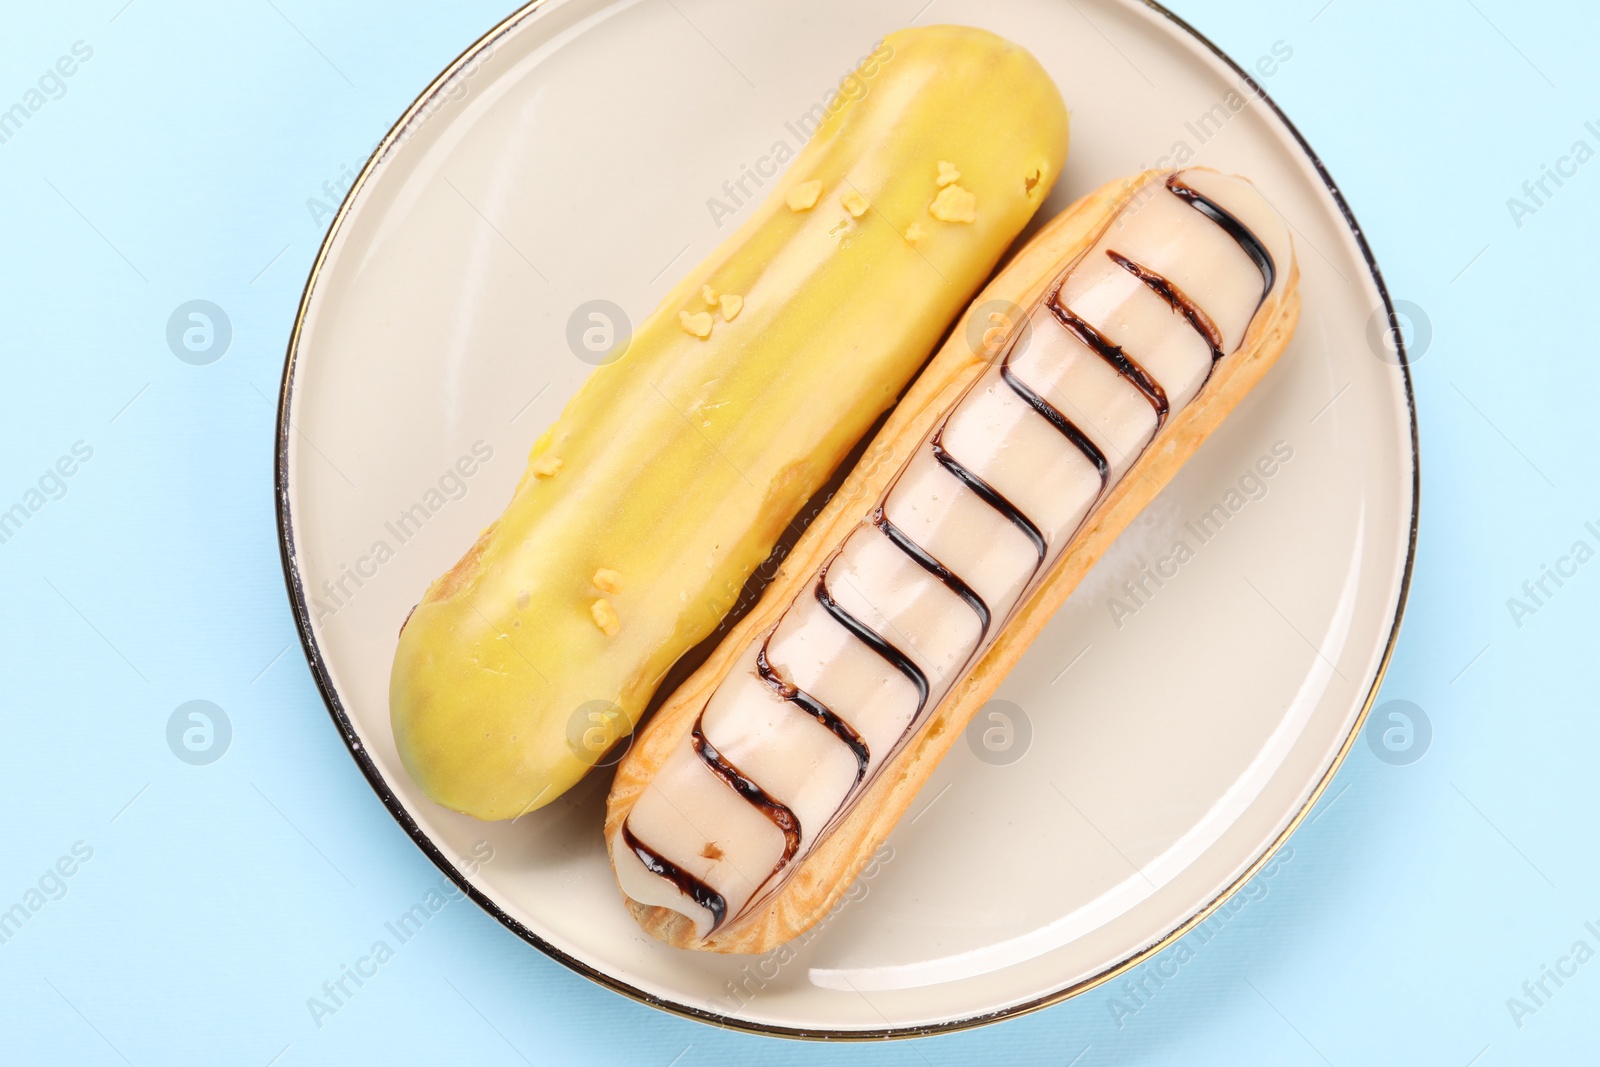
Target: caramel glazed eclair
1128	356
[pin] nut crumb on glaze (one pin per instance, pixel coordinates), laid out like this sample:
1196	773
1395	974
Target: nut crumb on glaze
698	323
915	233
732	304
947	174
709	295
854	203
803	197
954	204
546	466
605	616
607	580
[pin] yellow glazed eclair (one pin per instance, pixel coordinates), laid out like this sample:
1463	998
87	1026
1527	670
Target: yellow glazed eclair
676	468
1078	383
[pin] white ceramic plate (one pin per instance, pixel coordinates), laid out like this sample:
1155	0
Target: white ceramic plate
1174	742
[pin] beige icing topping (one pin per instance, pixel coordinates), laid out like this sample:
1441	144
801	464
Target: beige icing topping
689	816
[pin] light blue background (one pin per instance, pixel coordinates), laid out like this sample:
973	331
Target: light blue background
178	165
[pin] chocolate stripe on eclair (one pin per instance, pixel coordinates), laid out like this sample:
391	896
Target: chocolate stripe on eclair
946	576
1177	299
1101	345
988	494
1056	418
687	884
1248	241
782	817
815	708
873	640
